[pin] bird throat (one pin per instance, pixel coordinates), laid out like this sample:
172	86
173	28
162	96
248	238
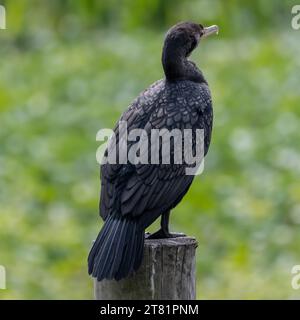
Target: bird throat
177	67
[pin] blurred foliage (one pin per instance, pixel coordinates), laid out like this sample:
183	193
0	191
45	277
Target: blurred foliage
68	17
69	68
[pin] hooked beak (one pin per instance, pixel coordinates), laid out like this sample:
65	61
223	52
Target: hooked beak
210	30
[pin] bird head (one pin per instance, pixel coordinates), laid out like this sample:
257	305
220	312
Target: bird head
185	36
179	42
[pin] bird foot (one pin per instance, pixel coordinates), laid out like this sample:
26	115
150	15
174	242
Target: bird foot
161	234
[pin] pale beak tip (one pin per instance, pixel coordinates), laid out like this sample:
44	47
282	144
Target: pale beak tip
211	30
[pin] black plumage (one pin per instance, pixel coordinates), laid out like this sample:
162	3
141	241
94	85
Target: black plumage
134	196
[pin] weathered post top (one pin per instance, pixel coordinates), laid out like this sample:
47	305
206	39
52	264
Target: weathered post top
167	272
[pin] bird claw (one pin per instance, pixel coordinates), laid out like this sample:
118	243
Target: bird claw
161	234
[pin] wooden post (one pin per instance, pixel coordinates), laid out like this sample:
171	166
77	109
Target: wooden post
167	272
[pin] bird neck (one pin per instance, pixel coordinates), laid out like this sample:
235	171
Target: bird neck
178	67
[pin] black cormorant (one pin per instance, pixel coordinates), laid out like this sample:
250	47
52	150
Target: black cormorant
133	196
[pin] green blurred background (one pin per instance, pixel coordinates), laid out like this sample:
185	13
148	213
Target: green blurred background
69	68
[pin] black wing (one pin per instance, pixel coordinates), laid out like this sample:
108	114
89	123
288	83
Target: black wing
145	191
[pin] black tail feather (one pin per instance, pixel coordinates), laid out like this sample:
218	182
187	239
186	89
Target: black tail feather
117	251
